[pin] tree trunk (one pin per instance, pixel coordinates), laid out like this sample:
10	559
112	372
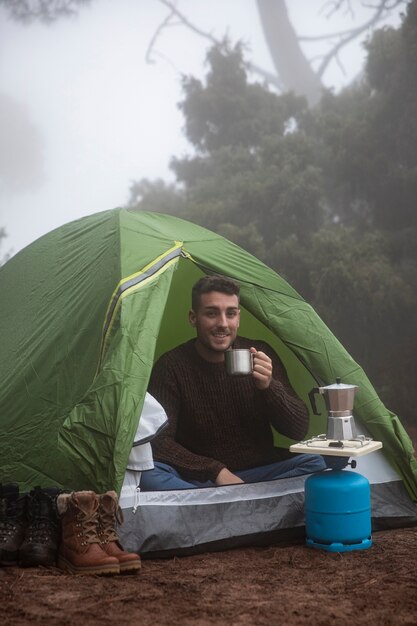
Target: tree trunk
289	61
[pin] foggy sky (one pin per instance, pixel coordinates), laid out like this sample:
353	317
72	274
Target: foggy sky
82	114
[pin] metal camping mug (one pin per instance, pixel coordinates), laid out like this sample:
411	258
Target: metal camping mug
238	362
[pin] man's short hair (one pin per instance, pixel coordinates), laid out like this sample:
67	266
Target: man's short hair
206	284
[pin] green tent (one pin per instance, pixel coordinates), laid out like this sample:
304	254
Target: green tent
86	310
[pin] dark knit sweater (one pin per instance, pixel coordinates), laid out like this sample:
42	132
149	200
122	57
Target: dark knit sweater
216	420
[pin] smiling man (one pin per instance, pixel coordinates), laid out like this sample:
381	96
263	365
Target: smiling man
219	426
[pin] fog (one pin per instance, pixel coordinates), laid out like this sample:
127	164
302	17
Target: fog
83	114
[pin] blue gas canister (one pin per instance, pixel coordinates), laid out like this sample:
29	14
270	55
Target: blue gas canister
338	511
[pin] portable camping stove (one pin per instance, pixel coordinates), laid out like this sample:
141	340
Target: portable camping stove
321	444
337	502
341	438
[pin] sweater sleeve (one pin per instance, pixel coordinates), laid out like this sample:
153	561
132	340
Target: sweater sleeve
164	387
287	413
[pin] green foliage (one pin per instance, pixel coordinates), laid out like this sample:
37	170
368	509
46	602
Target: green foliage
354	272
229	111
255	164
370	303
383	53
326	198
157	196
369	135
46	11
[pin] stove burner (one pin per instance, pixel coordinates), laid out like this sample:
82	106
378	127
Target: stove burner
322	444
338	443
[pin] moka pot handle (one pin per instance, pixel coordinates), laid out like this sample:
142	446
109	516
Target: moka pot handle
312	398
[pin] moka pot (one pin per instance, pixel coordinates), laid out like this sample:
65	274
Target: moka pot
339	399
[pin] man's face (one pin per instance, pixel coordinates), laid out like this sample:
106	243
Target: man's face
216	322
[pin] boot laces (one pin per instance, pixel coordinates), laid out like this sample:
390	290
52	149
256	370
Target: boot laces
107	522
88	523
41	523
6	528
41	530
9	515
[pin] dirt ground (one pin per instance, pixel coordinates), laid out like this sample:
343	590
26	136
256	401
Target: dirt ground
247	586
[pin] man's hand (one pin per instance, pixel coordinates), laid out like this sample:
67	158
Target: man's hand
225	477
262	369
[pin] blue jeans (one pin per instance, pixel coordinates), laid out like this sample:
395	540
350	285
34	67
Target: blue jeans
164	477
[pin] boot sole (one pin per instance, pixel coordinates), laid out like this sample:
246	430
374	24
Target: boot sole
6	563
9	558
127	568
34	556
94	569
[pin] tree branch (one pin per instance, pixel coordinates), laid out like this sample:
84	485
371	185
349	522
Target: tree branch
164	24
271	78
347	36
293	70
184	21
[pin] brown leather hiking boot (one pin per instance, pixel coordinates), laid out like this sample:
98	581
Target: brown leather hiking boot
12	523
110	514
80	551
40	546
